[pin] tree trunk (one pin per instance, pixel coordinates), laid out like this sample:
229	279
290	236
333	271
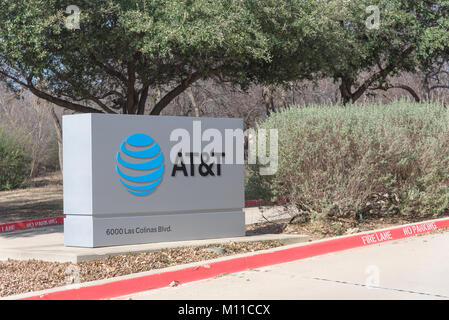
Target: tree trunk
345	91
58	128
192	100
268	98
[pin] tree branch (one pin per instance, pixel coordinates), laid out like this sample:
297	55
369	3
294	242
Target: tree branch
399	86
143	99
180	89
379	75
89	96
174	93
109	70
101	104
60	102
130	104
407	88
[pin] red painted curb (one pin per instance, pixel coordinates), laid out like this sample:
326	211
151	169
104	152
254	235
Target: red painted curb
159	280
253	203
29	224
258	203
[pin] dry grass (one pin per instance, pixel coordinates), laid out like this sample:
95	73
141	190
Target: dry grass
323	228
42	200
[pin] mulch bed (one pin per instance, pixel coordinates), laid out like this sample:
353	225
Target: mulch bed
25	276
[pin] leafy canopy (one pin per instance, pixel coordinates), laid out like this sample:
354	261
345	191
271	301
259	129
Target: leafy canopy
126	49
126	52
411	36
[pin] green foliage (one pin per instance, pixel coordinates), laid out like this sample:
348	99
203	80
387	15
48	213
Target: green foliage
51	160
14	163
257	187
410	37
338	40
124	47
363	161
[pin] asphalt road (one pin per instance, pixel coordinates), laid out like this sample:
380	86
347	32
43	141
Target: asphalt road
412	268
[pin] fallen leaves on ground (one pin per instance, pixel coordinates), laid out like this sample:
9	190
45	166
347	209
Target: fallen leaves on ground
26	276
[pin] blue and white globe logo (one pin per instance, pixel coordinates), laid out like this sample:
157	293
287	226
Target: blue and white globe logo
140	164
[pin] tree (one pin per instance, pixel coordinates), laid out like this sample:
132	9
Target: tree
123	50
342	40
124	54
410	36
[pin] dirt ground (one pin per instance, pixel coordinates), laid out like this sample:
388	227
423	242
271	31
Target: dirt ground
42	200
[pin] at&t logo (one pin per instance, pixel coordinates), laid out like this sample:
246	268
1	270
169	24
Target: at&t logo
140	164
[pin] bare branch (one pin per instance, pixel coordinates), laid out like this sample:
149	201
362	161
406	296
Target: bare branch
174	93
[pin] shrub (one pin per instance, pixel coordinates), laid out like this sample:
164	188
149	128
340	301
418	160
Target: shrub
50	159
363	160
257	187
14	163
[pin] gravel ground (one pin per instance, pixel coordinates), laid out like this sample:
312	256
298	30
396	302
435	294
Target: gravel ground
26	276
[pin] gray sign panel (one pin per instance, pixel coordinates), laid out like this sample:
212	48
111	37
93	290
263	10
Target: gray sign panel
131	179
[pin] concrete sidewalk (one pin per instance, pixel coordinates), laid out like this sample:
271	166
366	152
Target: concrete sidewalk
412	268
265	213
47	243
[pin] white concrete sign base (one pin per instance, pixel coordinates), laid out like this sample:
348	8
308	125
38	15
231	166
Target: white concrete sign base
154	228
139	179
